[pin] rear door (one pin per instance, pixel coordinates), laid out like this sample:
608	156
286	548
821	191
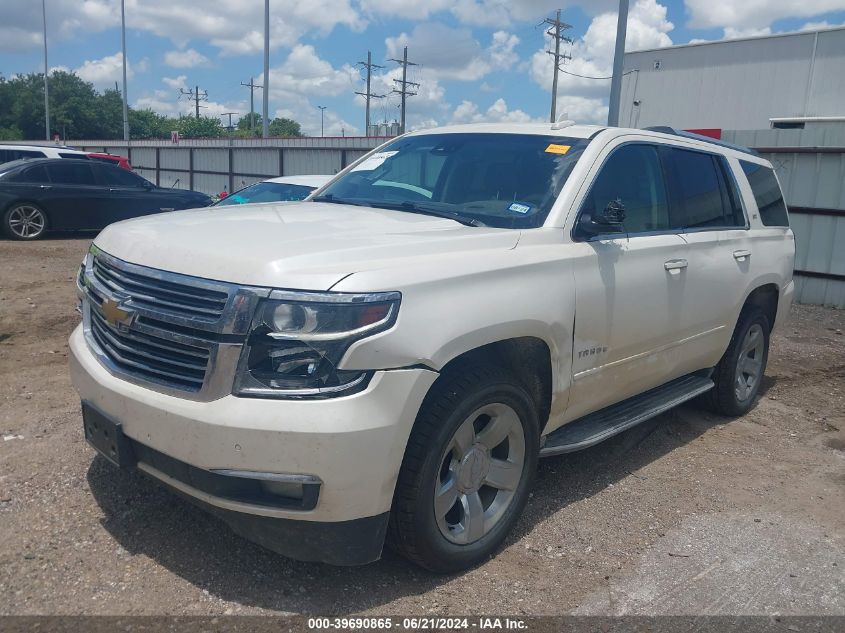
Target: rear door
706	206
628	286
74	195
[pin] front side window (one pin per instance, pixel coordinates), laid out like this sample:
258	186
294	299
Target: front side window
117	177
632	176
704	191
500	180
767	193
71	173
266	192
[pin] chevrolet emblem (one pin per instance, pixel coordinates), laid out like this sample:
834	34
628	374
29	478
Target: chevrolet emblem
115	315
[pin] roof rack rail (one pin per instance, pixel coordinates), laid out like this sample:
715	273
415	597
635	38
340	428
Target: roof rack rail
665	129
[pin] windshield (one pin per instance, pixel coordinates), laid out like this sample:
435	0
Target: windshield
500	180
267	192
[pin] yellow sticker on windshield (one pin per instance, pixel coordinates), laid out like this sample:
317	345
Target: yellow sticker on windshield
558	149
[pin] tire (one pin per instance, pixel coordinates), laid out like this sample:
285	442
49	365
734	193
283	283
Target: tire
455	449
24	221
734	395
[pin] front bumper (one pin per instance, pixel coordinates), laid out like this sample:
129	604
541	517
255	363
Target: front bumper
353	444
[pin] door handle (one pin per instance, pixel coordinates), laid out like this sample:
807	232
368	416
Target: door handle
741	256
45	186
675	264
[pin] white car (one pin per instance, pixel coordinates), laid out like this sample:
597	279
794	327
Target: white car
283	189
8	153
387	360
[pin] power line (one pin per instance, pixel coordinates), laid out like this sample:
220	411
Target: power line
556	31
566	72
369	65
404	92
196	96
252	87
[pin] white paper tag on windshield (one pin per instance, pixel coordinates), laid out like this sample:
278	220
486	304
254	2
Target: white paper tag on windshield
374	161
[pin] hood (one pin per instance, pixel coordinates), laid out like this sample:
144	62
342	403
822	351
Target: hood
300	245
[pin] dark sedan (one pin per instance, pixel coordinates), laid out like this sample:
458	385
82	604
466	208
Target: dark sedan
65	194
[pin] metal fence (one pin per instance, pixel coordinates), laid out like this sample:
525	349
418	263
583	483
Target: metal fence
810	165
215	165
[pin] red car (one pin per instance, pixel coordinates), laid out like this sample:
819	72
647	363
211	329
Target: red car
119	161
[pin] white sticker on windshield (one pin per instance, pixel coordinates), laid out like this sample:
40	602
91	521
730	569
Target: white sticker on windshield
374	161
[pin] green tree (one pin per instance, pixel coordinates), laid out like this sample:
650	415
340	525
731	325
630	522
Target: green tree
203	127
285	127
146	124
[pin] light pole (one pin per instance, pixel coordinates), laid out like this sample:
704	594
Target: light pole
265	130
322	111
618	59
125	97
46	70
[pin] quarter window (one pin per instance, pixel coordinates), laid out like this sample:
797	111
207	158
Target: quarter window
767	193
633	176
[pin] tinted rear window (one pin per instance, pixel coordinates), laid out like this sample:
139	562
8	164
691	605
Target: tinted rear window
767	194
706	192
71	173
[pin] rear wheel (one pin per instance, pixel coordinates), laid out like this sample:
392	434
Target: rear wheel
740	372
467	471
24	221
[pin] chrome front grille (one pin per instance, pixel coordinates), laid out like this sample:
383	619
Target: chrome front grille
157	294
170	332
153	358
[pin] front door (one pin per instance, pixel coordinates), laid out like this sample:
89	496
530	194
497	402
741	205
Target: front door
628	286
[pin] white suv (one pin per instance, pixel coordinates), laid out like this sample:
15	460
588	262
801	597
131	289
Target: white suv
8	153
387	360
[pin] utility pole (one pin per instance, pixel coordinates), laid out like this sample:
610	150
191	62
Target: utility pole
556	31
618	59
196	96
125	96
322	111
252	86
404	92
369	65
265	128
46	70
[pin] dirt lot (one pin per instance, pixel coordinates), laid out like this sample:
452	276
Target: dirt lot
687	514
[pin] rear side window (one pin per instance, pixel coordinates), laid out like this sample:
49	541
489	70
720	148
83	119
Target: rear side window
706	193
633	176
71	173
8	155
767	193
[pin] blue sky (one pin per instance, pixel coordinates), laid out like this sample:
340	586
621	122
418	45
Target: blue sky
478	59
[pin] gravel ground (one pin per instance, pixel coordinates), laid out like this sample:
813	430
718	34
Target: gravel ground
687	514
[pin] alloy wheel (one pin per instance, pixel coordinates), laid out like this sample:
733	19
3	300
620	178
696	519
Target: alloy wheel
749	365
479	473
27	221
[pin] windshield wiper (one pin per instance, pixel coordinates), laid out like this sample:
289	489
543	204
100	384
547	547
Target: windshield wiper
423	209
330	198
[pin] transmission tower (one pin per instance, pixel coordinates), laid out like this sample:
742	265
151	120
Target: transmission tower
556	31
196	96
404	83
369	65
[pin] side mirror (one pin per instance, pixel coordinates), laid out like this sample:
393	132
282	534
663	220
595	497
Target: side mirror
608	220
148	185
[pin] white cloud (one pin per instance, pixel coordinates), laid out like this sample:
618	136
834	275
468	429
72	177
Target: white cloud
468	112
176	82
747	14
105	71
188	58
731	33
592	56
304	72
817	26
443	52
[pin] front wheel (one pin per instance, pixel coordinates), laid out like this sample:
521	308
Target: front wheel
467	471
740	371
24	221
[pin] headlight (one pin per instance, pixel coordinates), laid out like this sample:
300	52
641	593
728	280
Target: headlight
297	339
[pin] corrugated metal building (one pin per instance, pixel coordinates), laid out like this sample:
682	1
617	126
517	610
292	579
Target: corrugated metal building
736	84
783	95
